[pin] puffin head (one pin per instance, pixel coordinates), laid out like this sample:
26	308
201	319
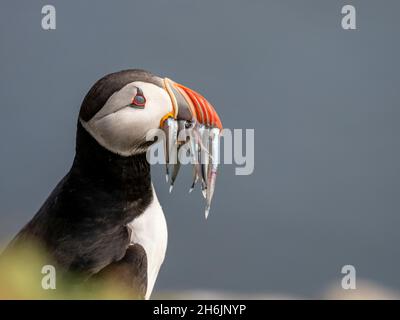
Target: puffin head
123	107
122	110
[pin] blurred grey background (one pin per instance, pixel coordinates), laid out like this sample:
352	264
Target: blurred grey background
324	103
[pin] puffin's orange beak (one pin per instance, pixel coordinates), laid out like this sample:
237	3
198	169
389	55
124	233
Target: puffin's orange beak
192	113
189	104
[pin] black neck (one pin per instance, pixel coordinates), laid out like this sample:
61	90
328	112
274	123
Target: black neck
105	167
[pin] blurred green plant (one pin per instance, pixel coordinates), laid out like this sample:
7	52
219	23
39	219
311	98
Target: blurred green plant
21	278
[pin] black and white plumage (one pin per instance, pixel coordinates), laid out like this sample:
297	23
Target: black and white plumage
103	219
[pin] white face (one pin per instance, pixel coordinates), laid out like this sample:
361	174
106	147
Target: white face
121	128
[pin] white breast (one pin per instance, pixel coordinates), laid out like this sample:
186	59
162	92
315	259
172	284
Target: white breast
150	231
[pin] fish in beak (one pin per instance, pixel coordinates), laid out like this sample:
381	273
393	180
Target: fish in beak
195	119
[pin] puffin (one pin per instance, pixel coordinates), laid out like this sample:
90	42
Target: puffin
103	219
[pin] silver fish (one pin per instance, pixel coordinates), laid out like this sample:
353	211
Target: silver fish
175	172
167	127
172	144
182	135
194	152
212	174
203	153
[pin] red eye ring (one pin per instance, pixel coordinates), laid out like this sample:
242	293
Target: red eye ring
139	100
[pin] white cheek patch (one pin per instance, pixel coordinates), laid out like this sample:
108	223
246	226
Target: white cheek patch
122	129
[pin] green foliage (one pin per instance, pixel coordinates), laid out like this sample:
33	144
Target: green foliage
21	278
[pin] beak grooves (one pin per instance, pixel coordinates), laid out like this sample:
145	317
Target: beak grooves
204	112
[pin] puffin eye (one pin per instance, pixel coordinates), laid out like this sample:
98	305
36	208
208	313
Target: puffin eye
139	100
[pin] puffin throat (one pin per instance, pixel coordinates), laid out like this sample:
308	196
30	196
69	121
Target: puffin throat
102	165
